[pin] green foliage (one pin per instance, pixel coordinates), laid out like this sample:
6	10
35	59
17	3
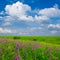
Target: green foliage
16	37
30	48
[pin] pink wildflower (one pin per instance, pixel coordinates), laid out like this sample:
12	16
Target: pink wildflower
0	50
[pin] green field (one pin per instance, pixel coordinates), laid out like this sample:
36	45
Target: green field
29	47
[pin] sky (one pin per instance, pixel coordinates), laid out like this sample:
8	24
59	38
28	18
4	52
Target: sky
30	17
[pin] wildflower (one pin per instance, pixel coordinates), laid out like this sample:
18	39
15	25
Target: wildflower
2	40
0	50
36	45
18	46
17	58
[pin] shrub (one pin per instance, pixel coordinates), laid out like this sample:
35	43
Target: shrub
16	37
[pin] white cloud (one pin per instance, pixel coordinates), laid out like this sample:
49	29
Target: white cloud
54	26
41	18
6	24
2	12
1	17
23	12
54	32
4	30
6	18
26	18
19	10
36	28
50	12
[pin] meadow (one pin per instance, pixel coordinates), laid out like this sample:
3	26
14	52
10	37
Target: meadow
29	47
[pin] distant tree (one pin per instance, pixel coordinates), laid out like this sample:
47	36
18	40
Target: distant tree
34	39
16	37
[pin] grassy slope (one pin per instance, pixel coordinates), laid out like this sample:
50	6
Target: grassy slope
49	48
47	39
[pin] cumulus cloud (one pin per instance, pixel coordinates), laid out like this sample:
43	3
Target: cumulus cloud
4	30
30	31
50	12
7	18
54	32
54	26
17	8
1	17
2	12
20	11
41	18
6	24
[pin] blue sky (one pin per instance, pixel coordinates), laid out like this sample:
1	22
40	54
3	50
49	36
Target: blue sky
30	17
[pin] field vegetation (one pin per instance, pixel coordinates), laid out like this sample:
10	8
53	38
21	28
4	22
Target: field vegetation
29	47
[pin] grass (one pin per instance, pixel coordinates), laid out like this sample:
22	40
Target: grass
29	47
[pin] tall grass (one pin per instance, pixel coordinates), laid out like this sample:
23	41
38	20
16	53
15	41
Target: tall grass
30	48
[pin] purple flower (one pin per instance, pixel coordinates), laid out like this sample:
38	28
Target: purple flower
36	45
0	50
2	40
17	58
18	46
